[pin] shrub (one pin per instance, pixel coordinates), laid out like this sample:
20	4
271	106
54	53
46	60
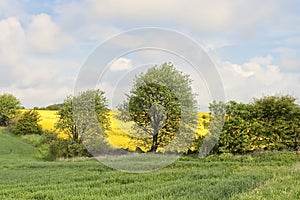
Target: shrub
27	124
271	122
54	147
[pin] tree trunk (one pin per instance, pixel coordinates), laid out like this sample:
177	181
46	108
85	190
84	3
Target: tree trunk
154	143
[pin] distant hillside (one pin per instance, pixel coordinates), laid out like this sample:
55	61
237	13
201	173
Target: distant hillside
13	149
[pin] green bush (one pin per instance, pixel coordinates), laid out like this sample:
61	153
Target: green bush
53	147
271	122
27	124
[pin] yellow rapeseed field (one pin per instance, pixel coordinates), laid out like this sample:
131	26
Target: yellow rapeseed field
48	119
118	135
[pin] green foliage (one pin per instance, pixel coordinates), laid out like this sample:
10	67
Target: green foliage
238	130
84	118
54	106
9	106
272	122
279	121
163	107
83	114
54	147
216	123
66	123
27	124
50	107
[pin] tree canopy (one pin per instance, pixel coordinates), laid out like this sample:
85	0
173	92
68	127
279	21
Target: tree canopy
76	114
163	108
270	122
27	124
9	106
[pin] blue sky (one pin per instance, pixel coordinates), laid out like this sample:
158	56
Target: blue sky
43	44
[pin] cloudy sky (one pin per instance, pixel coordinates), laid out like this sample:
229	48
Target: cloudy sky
254	45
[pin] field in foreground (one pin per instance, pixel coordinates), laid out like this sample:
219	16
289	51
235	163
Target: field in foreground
270	175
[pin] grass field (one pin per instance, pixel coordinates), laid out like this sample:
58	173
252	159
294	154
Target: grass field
270	175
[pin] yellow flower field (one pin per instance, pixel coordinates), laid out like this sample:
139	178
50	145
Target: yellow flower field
118	135
48	119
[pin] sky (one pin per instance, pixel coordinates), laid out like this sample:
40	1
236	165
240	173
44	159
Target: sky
44	45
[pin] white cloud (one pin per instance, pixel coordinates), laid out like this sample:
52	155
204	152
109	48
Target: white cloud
35	79
45	35
12	39
11	48
262	60
256	77
39	96
204	17
290	41
12	8
289	58
11	31
39	58
120	64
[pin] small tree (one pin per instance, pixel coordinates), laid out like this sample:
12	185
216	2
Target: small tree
84	118
163	107
9	106
27	124
210	142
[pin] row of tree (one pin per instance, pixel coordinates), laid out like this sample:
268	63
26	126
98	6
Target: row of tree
162	107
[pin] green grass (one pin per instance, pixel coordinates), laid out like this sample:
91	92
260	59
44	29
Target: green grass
272	175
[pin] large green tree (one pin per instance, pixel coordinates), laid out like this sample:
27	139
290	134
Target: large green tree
163	108
84	114
9	106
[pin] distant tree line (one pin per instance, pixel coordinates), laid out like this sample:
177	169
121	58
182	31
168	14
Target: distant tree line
50	107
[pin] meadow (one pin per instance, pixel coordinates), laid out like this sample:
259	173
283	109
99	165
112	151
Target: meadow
268	175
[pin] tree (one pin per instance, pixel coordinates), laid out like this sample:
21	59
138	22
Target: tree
9	106
77	117
239	130
270	122
210	142
279	119
163	108
84	118
54	106
27	124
